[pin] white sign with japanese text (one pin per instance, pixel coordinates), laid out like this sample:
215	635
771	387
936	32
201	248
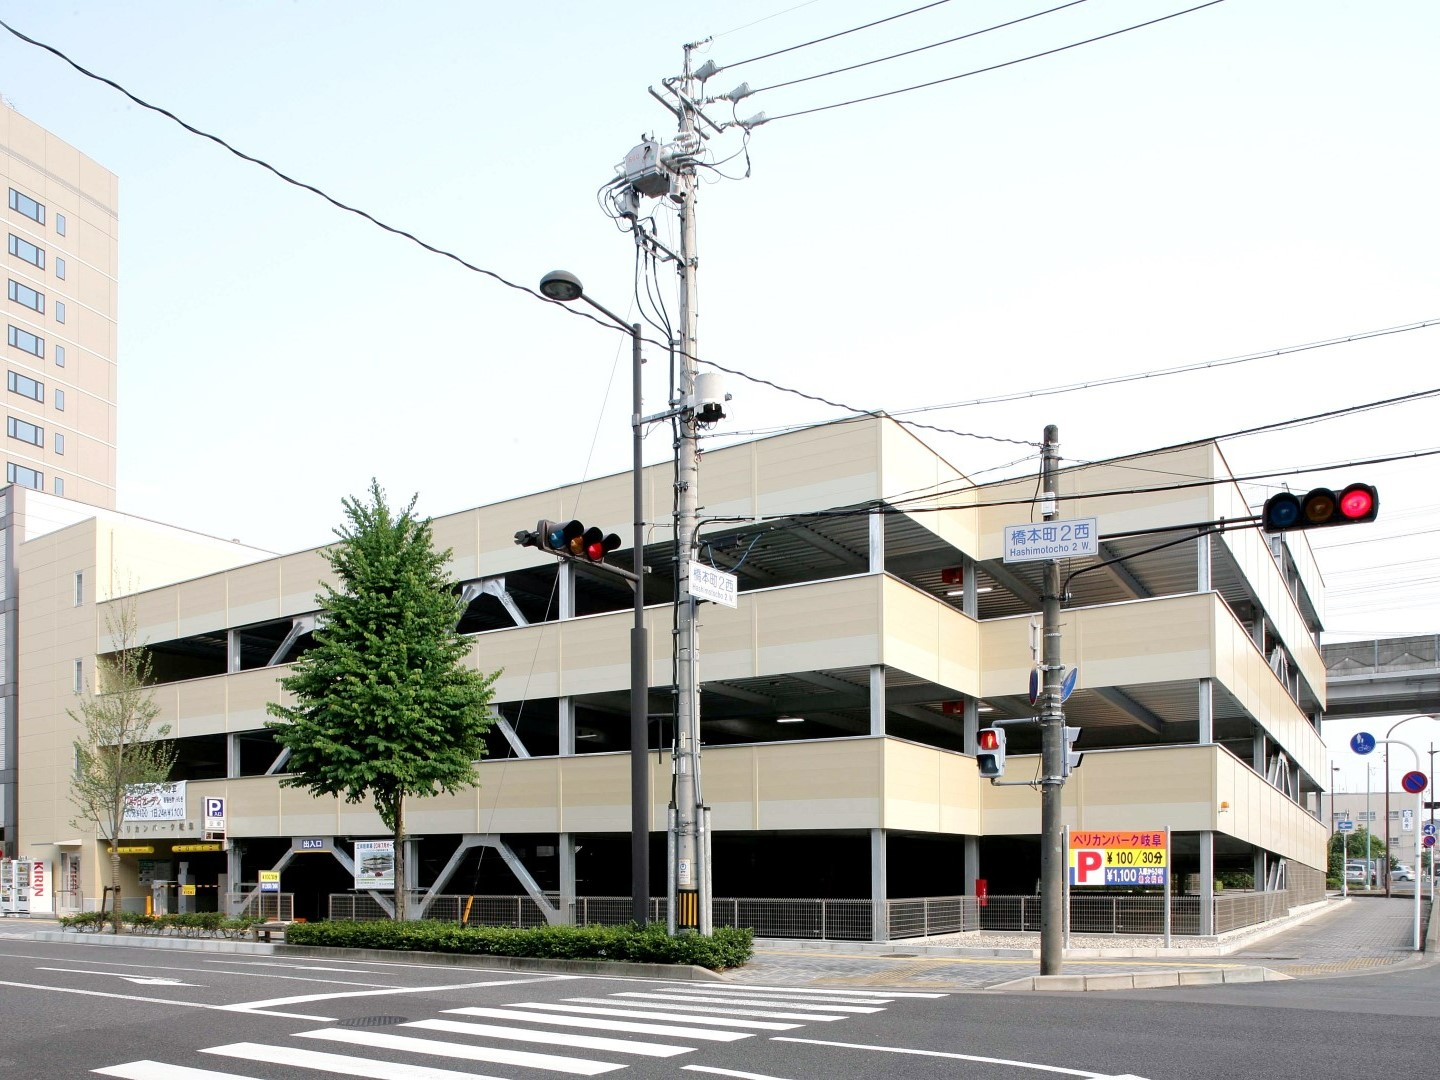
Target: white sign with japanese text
155	802
1052	540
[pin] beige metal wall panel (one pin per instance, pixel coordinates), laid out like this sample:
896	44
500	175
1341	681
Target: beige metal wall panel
300	578
927	481
1244	672
198	603
1159	640
532	795
837	784
254	595
1252	554
221	703
814	627
929	638
929	790
1264	816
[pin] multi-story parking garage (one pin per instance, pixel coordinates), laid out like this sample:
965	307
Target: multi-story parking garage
877	630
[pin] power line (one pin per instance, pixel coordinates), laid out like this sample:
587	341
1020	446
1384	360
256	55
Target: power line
832	37
912	52
569	310
1115	380
992	67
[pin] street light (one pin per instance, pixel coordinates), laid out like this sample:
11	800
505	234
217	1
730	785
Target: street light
564	287
1386	861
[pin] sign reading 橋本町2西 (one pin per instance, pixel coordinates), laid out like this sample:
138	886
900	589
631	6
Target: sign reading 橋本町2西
1052	540
1125	857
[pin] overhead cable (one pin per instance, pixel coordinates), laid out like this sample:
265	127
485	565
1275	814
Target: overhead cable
832	37
992	67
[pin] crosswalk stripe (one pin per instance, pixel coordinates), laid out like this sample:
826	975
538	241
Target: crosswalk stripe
874	995
768	1014
753	1001
158	1070
649	1014
380	1040
368	1068
562	1020
556	1038
834	997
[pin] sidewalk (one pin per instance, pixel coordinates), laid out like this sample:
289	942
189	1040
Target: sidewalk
1335	937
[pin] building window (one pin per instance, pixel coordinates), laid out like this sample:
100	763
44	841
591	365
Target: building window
59	268
59	311
19	474
78	677
79	587
59	355
23	294
23	384
59	486
59	400
59	443
60	226
23	339
23	249
23	204
25	431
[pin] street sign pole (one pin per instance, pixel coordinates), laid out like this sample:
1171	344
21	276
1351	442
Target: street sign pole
1415	782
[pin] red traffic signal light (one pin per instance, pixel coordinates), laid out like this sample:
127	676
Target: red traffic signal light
990	758
570	540
1321	508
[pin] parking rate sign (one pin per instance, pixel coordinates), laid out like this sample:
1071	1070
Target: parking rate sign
1138	857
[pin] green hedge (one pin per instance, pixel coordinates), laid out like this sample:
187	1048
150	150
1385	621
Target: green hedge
726	948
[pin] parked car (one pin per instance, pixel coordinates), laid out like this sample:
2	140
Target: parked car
1355	871
1403	873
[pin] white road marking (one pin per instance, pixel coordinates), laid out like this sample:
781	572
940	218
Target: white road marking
159	1070
162	1001
862	994
380	1040
368	1068
753	1001
768	1014
1087	1074
598	1024
731	1072
139	980
205	971
555	1038
648	1014
250	1006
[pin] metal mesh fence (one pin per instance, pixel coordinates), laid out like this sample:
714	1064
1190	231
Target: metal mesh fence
850	920
272	907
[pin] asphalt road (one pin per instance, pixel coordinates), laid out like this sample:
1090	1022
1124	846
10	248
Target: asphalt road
76	1010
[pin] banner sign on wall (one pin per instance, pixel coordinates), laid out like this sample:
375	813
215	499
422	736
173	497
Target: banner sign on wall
155	802
375	864
1126	857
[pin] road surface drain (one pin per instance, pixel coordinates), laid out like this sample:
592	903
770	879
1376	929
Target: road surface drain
372	1021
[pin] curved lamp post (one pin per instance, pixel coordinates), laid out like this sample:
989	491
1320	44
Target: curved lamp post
565	287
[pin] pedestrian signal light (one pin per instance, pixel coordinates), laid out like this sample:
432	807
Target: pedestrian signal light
1321	508
991	755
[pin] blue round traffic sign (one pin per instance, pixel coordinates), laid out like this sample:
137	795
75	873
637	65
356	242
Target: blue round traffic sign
1429	828
1414	782
1363	742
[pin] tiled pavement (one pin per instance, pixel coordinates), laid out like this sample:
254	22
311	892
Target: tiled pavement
1334	938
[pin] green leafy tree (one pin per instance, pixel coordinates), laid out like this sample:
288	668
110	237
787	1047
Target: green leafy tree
117	754
1358	843
385	706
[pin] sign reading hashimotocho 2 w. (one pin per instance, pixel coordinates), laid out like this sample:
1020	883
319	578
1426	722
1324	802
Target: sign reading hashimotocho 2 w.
1052	540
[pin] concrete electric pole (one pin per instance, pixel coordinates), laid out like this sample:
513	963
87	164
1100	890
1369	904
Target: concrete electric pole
1052	732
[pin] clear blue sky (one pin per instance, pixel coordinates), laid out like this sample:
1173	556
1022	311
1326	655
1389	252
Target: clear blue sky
1258	174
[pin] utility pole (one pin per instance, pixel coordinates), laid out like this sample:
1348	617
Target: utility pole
690	888
1052	731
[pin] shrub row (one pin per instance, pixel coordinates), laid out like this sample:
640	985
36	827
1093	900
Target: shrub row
192	924
726	948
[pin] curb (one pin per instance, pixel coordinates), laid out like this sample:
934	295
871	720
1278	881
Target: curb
611	968
1139	980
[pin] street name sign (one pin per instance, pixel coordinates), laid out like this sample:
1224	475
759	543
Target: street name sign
1052	540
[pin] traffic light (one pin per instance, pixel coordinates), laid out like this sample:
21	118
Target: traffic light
991	756
1072	756
1355	505
570	540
